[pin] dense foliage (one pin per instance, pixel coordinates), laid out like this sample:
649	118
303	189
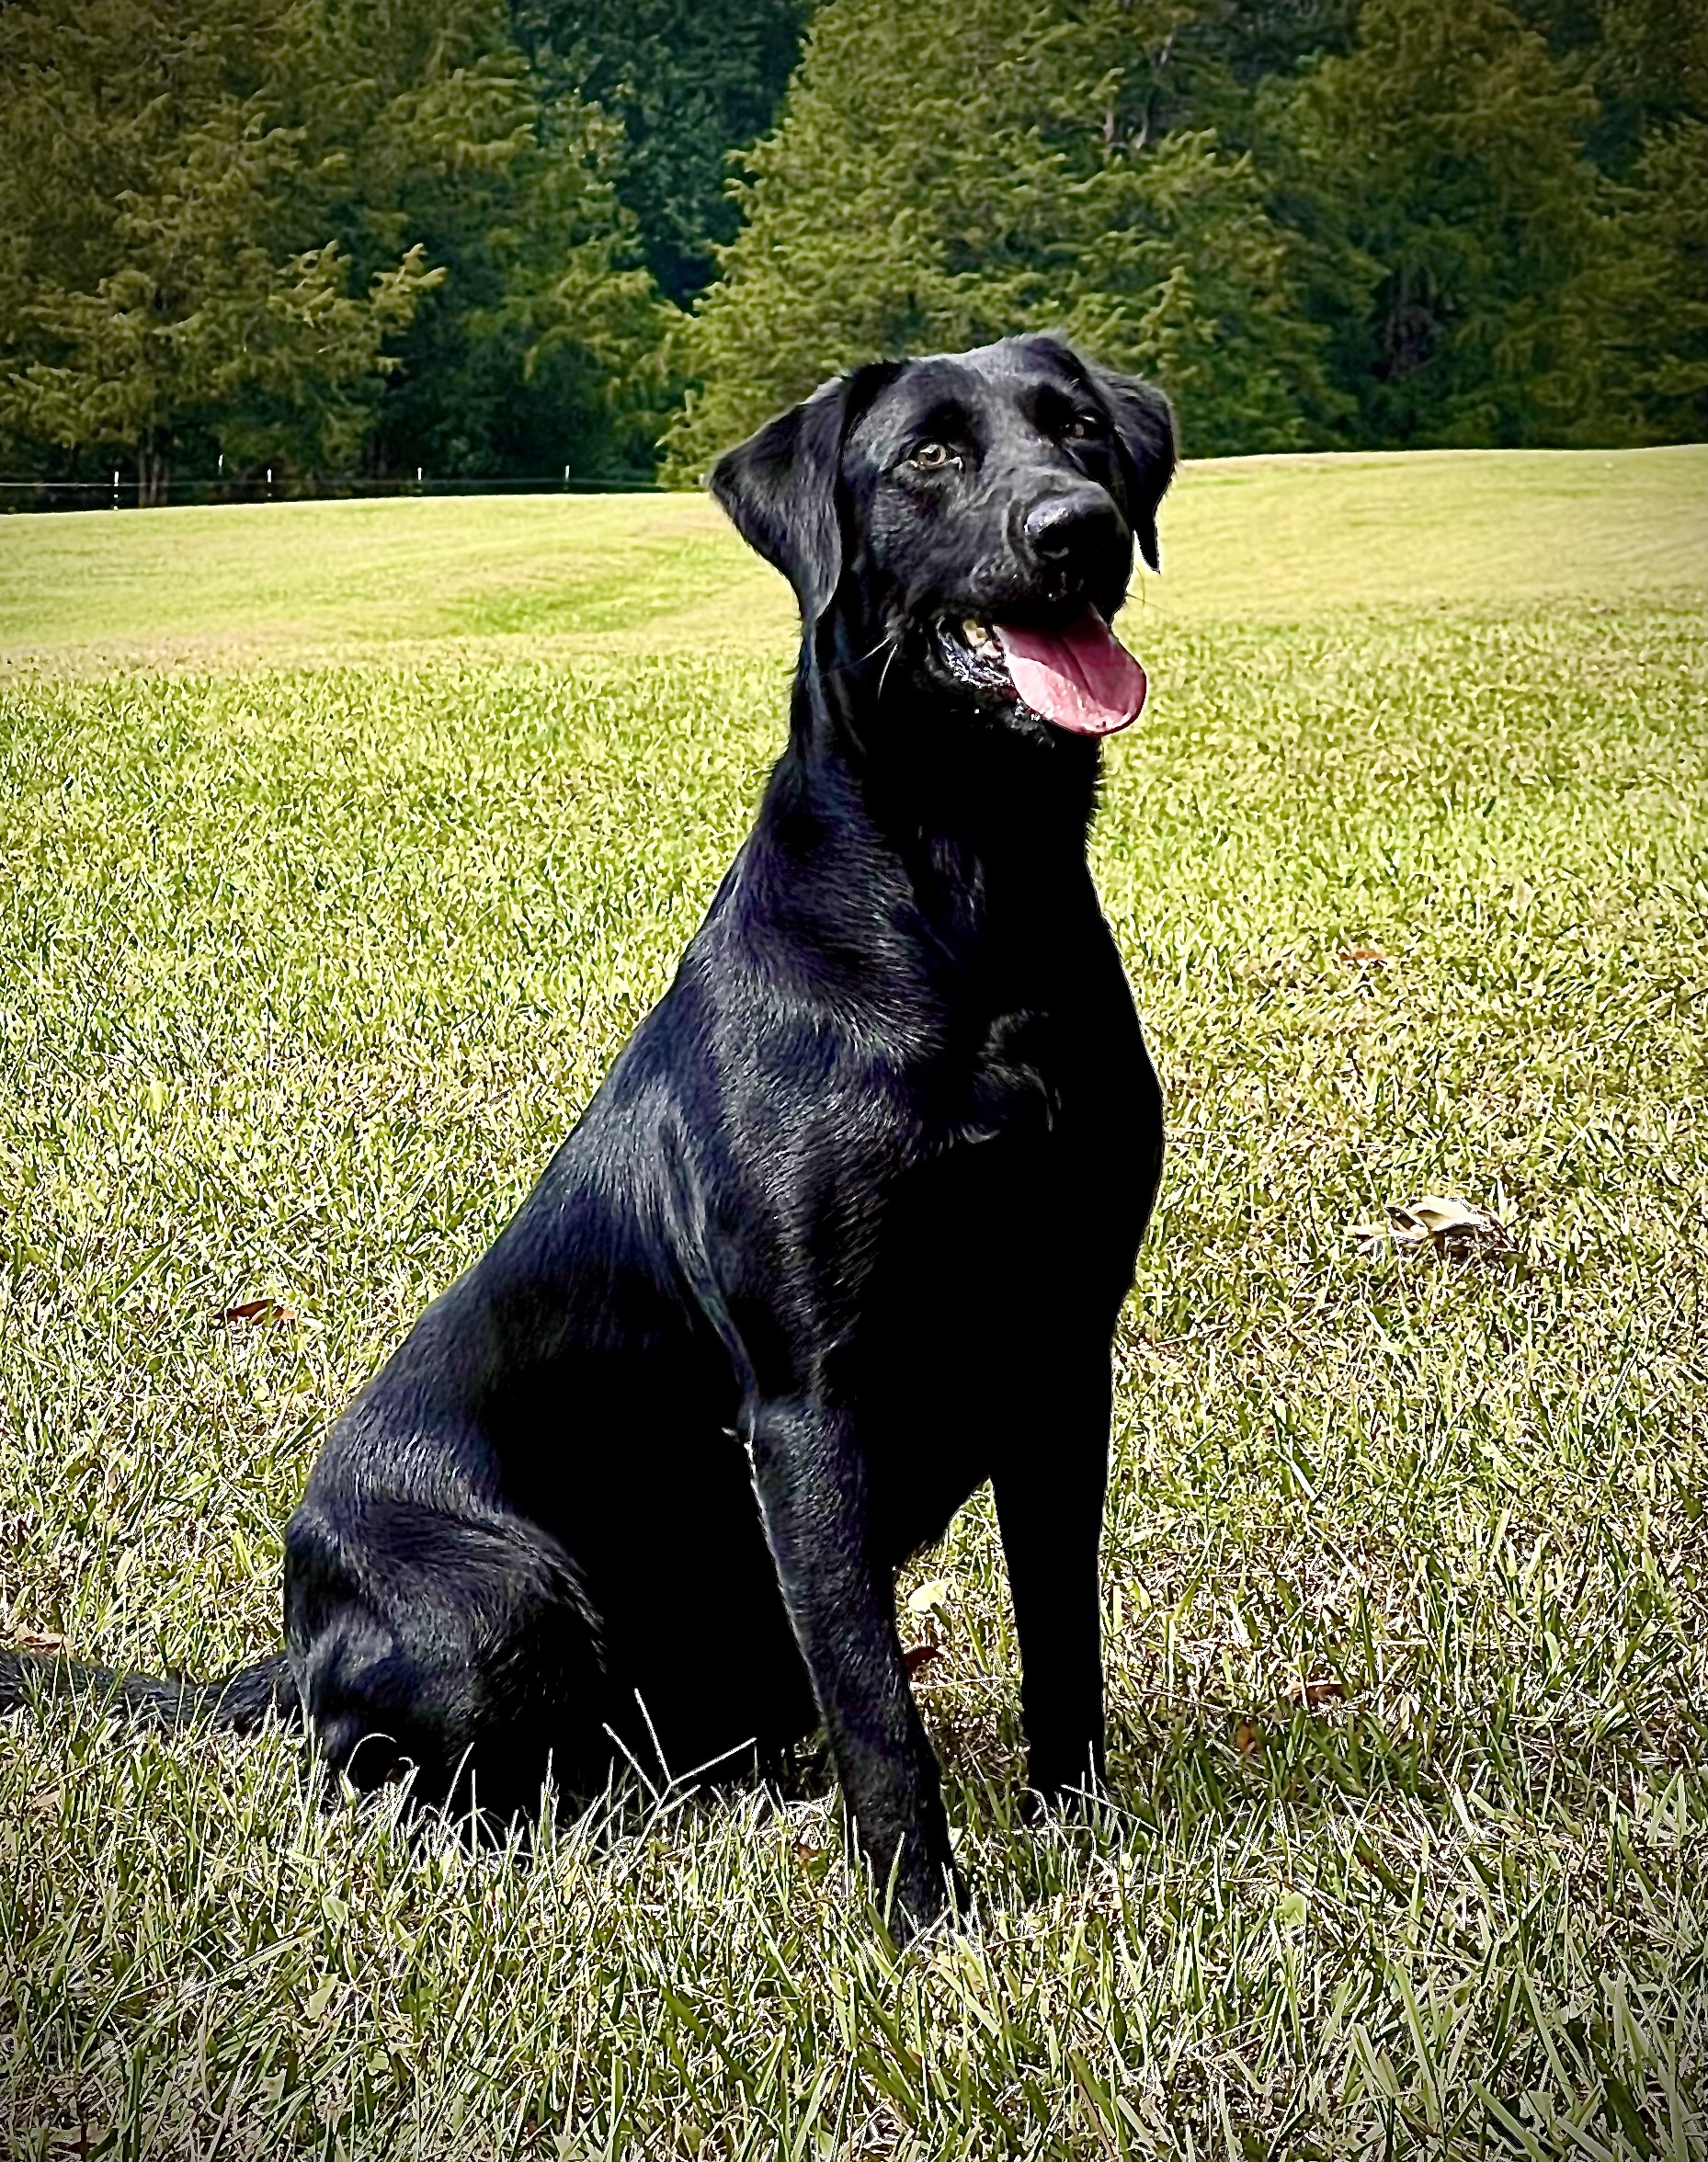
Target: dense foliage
311	232
687	81
1313	223
1015	182
486	239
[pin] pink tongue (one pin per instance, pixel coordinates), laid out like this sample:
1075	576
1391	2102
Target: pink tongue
1082	678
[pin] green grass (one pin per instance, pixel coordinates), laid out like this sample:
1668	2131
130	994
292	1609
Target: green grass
304	968
1265	539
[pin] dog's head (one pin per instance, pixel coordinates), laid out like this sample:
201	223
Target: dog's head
975	513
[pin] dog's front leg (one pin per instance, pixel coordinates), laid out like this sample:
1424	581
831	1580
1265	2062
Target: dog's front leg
1049	1491
810	1476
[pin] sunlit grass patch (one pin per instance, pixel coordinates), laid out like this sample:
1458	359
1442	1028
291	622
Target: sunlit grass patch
304	972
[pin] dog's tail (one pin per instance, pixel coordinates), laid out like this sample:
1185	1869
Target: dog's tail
241	1703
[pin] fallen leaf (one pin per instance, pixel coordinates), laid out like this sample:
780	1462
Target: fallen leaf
39	1639
920	1656
1438	1224
1247	1740
1319	1690
45	1801
929	1595
254	1310
1362	956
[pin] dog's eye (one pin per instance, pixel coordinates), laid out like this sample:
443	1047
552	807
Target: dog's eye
1081	425
932	457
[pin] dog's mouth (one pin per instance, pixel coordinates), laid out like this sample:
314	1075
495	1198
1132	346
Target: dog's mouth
1081	677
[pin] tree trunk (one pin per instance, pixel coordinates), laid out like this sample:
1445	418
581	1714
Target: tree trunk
151	476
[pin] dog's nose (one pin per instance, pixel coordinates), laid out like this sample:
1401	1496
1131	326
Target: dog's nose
1065	526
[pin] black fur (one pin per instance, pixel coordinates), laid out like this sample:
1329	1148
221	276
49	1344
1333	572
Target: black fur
848	1226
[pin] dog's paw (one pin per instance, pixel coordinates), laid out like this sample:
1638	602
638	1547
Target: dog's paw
939	1908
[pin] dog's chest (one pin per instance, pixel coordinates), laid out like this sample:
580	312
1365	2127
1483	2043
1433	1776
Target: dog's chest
1013	1076
1039	1135
1014	1236
1031	1050
1028	1012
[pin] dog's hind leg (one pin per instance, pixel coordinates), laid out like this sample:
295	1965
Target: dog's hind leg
458	1654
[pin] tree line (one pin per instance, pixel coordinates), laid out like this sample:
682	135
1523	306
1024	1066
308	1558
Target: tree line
342	237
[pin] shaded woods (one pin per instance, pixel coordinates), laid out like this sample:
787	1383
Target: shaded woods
490	242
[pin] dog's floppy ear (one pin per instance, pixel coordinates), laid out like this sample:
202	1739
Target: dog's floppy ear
779	491
1145	429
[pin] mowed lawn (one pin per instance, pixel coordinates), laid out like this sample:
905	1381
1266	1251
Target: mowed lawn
341	845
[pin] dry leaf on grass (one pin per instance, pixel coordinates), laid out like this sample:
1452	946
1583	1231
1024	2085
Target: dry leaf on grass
920	1656
45	1801
925	1596
1247	1740
256	1310
1361	957
37	1640
1438	1223
1318	1690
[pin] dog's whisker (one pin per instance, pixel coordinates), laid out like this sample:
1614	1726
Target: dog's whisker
859	660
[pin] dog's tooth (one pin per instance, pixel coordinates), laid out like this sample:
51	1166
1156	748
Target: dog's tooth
977	631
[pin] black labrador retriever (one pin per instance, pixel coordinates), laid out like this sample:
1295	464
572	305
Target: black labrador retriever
846	1231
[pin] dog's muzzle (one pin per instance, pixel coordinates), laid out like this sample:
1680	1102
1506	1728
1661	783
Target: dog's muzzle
1080	678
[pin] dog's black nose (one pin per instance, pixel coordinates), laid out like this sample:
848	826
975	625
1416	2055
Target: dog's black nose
1079	524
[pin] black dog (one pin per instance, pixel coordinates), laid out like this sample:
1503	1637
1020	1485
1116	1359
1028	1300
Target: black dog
847	1228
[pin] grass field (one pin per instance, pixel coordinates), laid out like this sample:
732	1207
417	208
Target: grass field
341	847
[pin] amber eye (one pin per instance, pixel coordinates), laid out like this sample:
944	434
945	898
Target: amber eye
932	457
1081	425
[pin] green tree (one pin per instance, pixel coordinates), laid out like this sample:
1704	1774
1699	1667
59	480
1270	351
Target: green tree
689	81
313	233
950	173
1656	297
1259	39
542	347
1446	149
1646	61
145	293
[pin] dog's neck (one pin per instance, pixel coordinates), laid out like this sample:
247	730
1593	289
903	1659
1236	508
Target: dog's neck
939	781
